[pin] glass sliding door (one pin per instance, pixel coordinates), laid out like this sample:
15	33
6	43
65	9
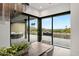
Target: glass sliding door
61	31
33	29
47	30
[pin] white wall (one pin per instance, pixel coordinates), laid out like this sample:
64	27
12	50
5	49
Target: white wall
4	34
75	29
55	9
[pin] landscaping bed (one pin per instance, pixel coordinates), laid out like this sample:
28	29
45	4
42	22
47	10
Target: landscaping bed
16	49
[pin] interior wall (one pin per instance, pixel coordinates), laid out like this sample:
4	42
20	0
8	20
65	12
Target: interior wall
75	29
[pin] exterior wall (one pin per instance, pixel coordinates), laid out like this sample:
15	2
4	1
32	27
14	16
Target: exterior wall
18	27
4	34
75	29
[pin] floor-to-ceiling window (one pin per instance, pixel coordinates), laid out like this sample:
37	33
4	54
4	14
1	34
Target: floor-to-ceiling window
33	29
61	26
47	30
61	30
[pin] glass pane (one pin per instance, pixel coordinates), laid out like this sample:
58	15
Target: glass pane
33	29
46	30
61	31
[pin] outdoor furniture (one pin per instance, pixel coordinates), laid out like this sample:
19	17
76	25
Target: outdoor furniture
40	49
47	33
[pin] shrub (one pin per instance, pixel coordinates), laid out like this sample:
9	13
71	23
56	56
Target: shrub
14	49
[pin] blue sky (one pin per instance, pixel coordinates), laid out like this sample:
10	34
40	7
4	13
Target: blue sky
34	21
59	22
46	23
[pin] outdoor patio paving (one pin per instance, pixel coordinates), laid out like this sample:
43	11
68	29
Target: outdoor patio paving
65	43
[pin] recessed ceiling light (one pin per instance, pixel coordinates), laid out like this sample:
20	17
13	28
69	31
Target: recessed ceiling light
40	7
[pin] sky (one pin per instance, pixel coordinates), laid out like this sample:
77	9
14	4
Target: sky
34	21
59	22
46	23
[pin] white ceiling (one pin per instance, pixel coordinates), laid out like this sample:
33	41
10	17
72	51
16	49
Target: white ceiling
44	6
46	9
